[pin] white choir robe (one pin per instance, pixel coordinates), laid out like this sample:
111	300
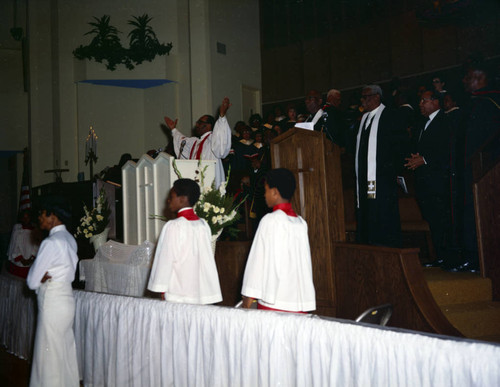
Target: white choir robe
21	244
184	265
215	147
54	353
279	269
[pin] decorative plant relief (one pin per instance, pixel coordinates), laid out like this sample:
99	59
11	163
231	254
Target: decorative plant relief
106	46
144	44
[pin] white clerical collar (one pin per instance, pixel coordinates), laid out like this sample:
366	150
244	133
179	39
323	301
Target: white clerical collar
452	109
374	111
54	229
184	209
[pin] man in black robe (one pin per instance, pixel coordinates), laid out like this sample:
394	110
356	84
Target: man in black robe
483	121
379	156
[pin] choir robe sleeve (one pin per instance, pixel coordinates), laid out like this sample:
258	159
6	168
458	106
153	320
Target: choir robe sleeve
221	139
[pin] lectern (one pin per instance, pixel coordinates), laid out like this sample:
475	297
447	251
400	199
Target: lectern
315	162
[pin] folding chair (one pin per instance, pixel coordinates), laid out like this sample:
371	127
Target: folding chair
378	315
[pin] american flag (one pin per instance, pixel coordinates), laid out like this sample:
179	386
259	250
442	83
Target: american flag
24	198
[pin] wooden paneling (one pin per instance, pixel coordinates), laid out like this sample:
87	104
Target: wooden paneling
487	207
315	162
367	276
231	259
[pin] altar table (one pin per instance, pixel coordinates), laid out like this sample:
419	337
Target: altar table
131	341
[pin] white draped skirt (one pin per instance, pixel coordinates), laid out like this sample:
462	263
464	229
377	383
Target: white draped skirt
54	354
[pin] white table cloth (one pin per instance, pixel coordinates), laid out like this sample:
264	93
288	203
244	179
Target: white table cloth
17	315
124	341
128	341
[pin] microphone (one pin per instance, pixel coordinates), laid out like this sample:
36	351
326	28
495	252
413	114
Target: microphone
183	144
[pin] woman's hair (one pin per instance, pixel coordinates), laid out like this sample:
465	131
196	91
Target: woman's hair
57	205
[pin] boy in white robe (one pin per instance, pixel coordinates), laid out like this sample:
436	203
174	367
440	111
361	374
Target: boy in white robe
22	247
278	274
184	267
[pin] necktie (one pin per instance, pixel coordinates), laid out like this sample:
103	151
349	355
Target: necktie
423	129
368	123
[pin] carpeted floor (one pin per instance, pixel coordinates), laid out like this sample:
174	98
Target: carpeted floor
14	372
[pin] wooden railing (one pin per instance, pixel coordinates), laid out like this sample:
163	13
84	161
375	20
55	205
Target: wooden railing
486	189
368	276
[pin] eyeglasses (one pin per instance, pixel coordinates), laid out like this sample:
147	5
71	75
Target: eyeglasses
202	122
436	81
365	96
423	100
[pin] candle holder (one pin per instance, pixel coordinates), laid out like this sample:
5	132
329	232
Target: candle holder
91	151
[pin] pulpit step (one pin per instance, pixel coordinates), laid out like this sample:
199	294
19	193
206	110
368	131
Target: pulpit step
457	288
475	320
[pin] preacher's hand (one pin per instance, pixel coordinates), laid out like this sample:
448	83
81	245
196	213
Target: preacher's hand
170	123
226	104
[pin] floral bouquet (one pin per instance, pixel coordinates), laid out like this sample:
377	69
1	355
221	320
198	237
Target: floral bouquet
218	209
96	220
214	205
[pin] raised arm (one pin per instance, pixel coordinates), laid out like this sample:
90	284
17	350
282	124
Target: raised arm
181	143
221	137
171	124
225	105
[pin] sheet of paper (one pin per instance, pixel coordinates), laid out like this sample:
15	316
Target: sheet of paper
305	125
310	125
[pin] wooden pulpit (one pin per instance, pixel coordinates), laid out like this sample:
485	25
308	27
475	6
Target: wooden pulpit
315	162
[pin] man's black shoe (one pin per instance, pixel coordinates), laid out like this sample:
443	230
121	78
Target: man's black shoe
464	267
436	263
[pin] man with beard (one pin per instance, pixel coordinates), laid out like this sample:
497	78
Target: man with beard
213	141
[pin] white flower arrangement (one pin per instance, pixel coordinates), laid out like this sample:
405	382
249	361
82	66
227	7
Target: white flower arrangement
95	220
217	208
214	205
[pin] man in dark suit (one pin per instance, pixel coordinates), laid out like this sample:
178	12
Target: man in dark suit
379	155
482	122
334	118
431	162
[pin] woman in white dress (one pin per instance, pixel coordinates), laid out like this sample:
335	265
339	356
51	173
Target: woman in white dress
51	275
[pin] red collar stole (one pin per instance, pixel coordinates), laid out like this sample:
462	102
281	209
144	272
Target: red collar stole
188	213
286	208
200	148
